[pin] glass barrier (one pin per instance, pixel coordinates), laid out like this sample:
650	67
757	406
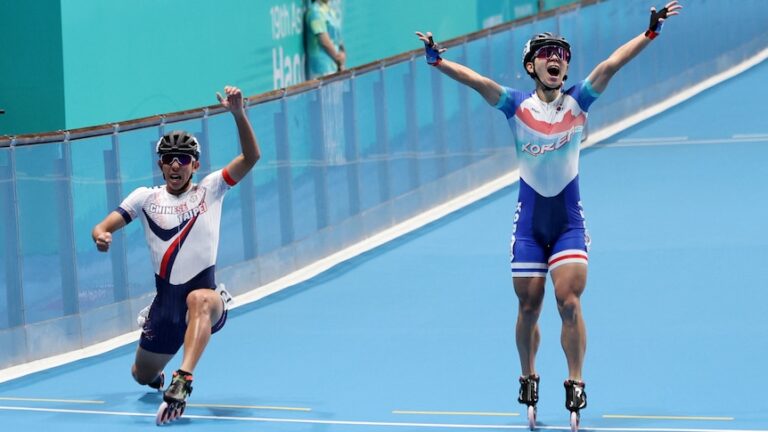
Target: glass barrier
341	161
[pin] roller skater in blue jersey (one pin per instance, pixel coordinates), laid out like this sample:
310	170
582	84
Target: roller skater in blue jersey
549	234
181	223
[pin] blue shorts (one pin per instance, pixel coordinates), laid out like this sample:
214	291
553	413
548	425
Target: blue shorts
548	231
166	324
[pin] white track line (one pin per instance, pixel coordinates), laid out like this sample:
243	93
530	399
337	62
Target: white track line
371	423
457	413
72	401
666	417
652	140
625	144
750	136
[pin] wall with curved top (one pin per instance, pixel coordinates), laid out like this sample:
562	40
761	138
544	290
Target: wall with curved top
341	162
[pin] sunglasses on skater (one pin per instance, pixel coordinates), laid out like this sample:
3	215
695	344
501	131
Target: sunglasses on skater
181	158
546	52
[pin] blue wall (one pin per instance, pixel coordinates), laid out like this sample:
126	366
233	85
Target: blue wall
340	162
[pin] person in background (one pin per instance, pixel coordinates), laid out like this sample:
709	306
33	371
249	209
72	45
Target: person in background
325	49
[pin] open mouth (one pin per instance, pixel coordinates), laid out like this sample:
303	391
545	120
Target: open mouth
553	70
174	177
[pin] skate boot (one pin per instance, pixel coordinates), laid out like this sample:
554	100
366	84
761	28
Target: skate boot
575	400
159	382
226	297
529	395
175	398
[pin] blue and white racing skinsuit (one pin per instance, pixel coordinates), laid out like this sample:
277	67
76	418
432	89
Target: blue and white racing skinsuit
549	228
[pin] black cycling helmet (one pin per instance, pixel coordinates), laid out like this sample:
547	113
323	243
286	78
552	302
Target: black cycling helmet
541	40
178	142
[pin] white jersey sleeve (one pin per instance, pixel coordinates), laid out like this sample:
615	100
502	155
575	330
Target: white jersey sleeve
217	183
132	205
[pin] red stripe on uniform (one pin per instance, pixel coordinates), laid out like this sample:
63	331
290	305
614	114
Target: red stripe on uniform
564	257
172	248
227	178
166	258
567	123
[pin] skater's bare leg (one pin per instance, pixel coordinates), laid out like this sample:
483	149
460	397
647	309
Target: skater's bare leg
570	281
530	295
148	366
205	308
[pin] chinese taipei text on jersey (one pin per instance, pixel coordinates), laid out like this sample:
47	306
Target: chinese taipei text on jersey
183	237
549	228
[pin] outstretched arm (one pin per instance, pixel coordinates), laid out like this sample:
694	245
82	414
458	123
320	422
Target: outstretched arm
604	71
488	89
241	164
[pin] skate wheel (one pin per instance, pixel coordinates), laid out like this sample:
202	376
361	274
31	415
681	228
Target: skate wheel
532	417
178	412
574	421
173	414
162	414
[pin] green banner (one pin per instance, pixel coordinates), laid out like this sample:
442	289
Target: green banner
287	24
118	60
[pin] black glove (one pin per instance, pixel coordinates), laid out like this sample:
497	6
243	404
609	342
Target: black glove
657	20
433	51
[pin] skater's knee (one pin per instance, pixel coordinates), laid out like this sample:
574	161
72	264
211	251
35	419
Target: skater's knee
529	303
530	309
144	376
139	376
569	308
200	301
568	296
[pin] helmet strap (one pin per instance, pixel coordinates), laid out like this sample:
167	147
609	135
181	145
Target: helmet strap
536	78
546	87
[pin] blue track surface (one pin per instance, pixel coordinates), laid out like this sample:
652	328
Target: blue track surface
675	310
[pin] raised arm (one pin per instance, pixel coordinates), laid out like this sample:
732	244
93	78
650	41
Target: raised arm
241	164
488	89
102	232
604	71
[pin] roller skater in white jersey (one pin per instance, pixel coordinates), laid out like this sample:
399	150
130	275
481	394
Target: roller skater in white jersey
181	224
549	232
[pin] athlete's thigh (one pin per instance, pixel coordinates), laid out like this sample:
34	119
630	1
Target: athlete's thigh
529	270
529	290
571	247
527	258
569	280
568	263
